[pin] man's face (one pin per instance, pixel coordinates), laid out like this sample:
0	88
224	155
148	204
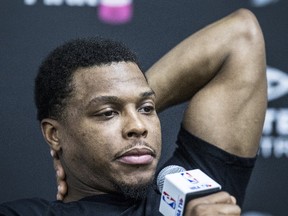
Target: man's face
111	135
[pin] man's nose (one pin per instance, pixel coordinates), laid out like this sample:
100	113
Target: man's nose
134	126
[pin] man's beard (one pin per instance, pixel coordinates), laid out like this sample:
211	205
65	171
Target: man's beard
136	192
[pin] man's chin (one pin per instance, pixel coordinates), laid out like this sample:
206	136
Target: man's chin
135	191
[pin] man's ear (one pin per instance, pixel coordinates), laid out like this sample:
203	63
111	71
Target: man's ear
50	130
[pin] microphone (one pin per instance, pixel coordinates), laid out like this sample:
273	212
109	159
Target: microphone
178	186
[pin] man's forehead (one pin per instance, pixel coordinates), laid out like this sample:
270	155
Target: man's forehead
110	80
120	71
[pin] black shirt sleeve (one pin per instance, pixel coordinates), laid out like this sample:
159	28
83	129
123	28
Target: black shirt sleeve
230	171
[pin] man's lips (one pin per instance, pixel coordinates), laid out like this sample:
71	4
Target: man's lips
137	156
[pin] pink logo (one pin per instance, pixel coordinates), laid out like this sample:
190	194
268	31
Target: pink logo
115	11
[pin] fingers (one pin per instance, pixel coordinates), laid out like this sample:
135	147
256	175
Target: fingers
233	200
220	197
53	153
214	209
61	190
60	176
220	203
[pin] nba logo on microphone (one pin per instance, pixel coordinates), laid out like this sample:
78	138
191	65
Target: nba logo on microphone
169	200
189	177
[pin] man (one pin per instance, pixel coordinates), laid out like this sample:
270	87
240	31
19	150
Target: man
98	115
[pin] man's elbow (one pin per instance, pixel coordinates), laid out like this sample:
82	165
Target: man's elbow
250	46
248	26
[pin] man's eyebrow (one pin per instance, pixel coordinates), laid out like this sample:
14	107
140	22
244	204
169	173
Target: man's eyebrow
115	99
103	99
147	94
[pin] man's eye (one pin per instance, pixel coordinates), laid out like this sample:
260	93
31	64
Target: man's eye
106	115
109	113
147	109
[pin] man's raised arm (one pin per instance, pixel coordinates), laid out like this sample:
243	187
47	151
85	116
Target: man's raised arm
222	71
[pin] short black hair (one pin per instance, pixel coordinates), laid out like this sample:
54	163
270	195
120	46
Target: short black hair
53	82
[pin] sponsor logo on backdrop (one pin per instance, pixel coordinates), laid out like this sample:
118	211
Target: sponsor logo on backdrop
262	3
274	142
91	3
255	213
277	83
109	11
115	11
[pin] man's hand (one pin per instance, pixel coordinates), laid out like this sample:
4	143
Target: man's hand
220	203
60	176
